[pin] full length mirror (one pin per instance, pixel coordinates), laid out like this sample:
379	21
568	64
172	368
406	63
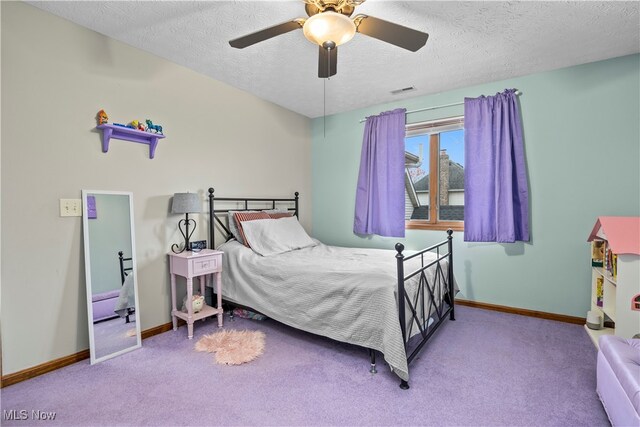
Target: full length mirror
110	267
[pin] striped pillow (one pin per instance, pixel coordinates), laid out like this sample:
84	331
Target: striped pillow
278	215
248	216
233	225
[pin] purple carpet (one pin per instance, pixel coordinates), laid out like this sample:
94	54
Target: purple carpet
110	336
486	368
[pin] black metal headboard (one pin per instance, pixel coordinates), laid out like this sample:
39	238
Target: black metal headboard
246	205
123	269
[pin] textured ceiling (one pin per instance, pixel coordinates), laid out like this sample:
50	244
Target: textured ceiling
470	43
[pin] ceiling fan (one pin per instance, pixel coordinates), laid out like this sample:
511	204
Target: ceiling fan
329	25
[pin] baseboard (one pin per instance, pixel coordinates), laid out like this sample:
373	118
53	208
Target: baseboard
148	333
523	312
43	368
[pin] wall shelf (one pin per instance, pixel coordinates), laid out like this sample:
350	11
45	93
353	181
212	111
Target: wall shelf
128	134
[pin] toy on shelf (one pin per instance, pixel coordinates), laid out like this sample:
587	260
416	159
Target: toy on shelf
137	125
597	253
153	128
102	117
197	301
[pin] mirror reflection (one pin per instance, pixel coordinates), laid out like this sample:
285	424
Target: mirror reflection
112	300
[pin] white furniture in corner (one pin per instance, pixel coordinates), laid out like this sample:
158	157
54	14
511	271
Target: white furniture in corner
615	289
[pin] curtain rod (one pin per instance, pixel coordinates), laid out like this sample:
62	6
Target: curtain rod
436	107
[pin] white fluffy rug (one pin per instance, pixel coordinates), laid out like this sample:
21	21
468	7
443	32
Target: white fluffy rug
233	347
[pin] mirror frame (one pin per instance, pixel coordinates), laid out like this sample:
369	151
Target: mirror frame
87	269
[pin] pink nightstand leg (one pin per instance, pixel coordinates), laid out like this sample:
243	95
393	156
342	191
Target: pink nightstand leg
190	307
219	294
174	319
203	285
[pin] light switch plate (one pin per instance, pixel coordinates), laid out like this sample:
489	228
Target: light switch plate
70	207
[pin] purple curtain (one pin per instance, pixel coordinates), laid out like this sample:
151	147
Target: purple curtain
496	196
380	191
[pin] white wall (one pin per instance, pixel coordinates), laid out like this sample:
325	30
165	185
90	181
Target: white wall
423	197
55	77
109	234
455	197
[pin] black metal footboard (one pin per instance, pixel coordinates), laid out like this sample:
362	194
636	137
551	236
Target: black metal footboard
430	314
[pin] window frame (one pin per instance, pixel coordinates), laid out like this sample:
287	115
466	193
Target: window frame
434	128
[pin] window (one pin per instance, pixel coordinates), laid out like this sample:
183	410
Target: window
434	160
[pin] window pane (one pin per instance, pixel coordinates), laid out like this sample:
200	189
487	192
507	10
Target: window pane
451	174
416	181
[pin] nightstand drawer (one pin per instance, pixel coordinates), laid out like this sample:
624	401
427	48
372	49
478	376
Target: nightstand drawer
205	265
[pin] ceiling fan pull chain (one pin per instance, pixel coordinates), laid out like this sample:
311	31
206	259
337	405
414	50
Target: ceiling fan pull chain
324	108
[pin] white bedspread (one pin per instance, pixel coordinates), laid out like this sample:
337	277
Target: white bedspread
347	294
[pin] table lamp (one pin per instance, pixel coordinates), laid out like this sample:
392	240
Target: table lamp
185	203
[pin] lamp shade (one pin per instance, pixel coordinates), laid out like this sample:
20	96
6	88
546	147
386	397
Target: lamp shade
186	203
329	27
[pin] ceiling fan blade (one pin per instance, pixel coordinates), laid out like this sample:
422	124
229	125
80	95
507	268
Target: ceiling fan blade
267	33
328	61
404	37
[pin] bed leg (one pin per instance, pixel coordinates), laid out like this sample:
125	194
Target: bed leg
372	356
404	385
452	295
449	300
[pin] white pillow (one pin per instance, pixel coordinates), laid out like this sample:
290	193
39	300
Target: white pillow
233	225
274	236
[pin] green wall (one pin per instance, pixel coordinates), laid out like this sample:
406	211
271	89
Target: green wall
109	233
582	139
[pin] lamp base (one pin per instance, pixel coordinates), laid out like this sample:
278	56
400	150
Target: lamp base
175	248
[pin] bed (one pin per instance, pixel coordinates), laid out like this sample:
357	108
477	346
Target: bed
125	304
103	305
346	294
118	302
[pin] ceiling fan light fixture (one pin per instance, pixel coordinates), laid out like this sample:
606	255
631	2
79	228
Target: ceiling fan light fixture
329	27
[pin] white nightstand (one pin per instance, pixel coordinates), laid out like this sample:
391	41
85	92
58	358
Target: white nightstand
195	264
